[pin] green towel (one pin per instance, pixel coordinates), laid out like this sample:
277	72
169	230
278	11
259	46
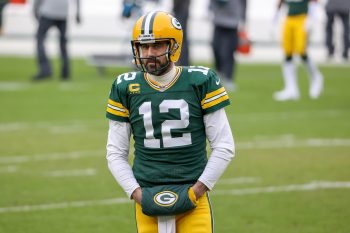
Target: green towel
167	200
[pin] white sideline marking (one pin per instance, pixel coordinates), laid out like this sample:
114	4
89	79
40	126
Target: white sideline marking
54	128
63	173
11	127
64	205
271	116
13	86
8	169
291	142
51	156
239	180
69	126
18	86
283	142
67	129
315	185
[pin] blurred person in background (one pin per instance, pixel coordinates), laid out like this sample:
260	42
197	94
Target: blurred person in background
181	10
171	112
132	8
228	17
52	13
2	5
341	9
300	17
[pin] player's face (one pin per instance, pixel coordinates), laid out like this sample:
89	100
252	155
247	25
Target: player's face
154	56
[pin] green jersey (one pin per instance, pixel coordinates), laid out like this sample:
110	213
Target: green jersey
297	7
167	122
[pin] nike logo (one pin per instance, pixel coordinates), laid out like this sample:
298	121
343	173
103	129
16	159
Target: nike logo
218	81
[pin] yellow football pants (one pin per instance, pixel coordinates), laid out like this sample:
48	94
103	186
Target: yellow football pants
294	35
198	220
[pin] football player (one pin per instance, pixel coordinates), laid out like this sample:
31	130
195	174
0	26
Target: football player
301	14
170	111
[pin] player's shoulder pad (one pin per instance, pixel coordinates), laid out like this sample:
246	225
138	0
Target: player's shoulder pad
200	74
125	78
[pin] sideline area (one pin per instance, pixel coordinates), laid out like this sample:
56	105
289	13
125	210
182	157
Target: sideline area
104	32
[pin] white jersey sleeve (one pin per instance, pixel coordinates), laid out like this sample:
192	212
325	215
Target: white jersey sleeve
117	155
221	141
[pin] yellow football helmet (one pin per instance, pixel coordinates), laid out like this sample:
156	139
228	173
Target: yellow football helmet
153	27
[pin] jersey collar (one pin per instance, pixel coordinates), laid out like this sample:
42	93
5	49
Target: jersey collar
157	86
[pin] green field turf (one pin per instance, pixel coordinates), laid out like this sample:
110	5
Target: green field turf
291	173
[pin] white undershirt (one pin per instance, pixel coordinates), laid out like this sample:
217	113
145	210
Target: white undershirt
217	130
164	79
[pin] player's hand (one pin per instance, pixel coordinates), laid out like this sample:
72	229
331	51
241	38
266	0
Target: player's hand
137	195
199	189
167	199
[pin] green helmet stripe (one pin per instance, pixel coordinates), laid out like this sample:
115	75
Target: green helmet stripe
147	23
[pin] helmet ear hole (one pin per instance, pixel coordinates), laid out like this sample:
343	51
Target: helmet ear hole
174	48
136	54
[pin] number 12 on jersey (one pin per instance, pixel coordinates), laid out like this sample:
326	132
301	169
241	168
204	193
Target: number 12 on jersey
168	141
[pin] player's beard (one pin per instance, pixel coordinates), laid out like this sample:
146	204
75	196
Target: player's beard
154	66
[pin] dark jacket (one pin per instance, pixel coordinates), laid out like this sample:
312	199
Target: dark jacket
228	13
338	6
